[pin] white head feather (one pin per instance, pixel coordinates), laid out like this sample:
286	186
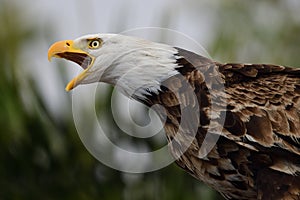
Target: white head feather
136	66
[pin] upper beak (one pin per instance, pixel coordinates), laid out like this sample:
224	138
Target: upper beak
67	50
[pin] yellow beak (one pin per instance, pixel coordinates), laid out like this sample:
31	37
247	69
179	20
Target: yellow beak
67	50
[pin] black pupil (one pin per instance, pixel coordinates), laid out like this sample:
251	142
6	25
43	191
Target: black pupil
95	44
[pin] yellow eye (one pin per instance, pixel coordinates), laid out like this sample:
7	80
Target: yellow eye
95	44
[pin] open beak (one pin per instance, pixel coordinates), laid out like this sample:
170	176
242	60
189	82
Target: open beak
66	49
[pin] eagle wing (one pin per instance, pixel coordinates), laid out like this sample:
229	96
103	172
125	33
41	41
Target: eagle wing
263	112
258	110
263	104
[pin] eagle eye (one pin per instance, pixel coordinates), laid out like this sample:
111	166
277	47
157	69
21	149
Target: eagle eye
95	43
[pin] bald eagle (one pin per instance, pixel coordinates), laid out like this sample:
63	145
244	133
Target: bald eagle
252	110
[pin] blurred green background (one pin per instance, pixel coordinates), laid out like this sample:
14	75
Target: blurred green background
41	155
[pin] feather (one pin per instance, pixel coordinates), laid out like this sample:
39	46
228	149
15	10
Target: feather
258	115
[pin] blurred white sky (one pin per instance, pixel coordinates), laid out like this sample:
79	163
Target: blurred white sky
75	18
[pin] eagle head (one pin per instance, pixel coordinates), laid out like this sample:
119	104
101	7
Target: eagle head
136	66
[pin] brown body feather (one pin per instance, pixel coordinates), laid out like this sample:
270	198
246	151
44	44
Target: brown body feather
254	112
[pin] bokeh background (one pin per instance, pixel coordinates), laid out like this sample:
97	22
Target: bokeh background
41	155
